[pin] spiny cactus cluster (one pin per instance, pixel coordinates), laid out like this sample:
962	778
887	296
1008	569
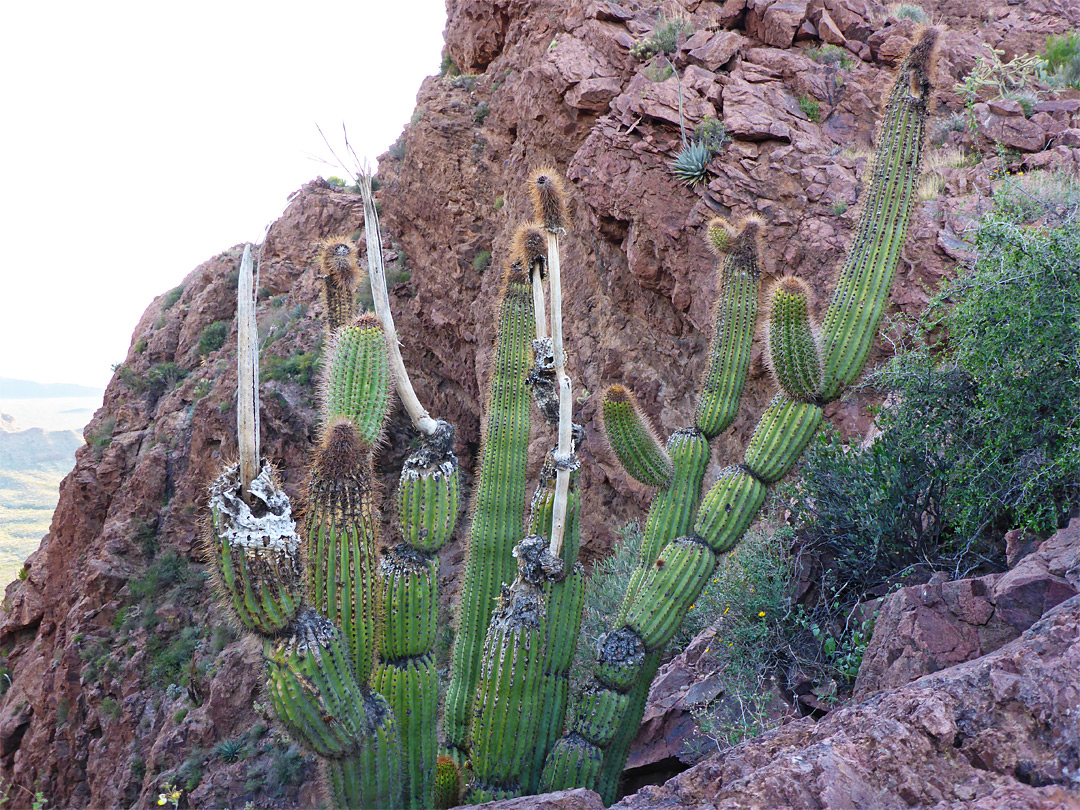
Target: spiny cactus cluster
349	630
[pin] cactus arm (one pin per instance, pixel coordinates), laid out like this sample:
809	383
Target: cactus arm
564	599
499	498
858	302
673	508
356	384
509	695
377	273
632	439
739	276
794	356
407	675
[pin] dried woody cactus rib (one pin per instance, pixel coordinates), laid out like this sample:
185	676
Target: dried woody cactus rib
515	639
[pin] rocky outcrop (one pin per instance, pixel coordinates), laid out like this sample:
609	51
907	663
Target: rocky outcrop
997	732
925	628
122	675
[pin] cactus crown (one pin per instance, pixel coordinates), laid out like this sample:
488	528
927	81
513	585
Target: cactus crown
549	199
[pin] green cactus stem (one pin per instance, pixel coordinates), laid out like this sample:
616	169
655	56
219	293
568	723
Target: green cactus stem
256	559
563	600
372	777
508	698
728	509
738	279
357	382
781	435
447	784
673	508
668	588
499	498
311	687
411	686
427	513
342	537
792	349
631	437
574	761
850	324
428	491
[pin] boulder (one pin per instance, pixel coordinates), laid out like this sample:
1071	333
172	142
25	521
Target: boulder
926	628
998	732
775	22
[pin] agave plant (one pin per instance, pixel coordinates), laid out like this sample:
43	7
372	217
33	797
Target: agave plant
691	165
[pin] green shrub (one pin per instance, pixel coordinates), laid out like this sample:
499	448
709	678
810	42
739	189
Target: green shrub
981	434
811	108
481	261
101	437
832	55
172	296
481	113
712	133
170	656
297	368
664	38
447	67
213	337
158	379
1062	57
907	11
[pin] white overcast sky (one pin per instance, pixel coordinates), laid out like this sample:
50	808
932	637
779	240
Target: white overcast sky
140	139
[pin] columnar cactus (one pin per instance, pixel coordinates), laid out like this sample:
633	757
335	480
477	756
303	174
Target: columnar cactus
348	634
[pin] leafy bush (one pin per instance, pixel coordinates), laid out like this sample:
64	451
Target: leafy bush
213	337
297	368
979	435
172	296
908	11
1062	57
832	55
664	38
811	108
158	379
481	261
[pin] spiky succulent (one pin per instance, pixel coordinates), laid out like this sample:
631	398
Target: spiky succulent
691	165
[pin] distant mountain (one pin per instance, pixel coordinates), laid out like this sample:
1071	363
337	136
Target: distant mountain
25	389
30	449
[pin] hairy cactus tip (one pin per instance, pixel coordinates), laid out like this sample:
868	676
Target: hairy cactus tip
549	199
740	241
342	452
337	255
920	61
530	246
